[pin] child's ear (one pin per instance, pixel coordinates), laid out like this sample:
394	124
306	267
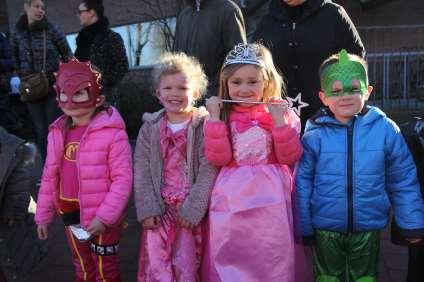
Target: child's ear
323	98
196	95
370	88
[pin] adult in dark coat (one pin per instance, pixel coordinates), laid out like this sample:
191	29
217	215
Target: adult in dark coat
208	30
301	35
97	43
27	49
16	159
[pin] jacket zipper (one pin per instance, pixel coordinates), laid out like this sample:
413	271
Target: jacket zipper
78	174
350	176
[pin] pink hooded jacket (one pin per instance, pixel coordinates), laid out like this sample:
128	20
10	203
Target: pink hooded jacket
104	167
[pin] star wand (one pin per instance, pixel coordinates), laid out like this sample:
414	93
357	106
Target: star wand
290	103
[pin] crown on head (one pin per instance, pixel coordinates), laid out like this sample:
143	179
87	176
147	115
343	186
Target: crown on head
245	54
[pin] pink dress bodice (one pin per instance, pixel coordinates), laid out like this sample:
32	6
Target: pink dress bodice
252	146
174	151
251	135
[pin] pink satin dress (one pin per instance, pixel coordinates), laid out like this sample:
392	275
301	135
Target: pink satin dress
251	235
171	252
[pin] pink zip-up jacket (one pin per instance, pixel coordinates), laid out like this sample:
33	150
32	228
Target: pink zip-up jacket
104	167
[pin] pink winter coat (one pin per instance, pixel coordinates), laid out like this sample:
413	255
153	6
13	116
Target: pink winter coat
104	167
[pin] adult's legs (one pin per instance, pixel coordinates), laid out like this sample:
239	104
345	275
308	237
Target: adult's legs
43	114
415	264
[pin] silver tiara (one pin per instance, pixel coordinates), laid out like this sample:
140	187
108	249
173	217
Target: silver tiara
245	54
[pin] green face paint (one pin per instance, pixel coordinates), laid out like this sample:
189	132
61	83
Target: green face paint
345	70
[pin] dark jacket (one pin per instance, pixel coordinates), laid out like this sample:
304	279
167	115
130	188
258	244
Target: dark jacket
27	47
16	160
351	174
6	61
413	132
209	34
105	49
301	43
6	66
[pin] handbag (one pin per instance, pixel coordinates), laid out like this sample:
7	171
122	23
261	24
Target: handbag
35	87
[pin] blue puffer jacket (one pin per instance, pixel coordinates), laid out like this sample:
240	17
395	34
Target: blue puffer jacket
350	175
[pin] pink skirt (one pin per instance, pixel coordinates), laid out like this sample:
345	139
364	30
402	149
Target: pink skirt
251	234
170	252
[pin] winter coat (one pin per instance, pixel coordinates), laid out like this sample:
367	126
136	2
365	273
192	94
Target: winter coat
148	169
106	52
28	44
6	61
350	174
298	48
412	131
104	167
6	66
16	180
209	34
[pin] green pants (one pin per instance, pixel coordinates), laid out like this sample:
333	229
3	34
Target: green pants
346	257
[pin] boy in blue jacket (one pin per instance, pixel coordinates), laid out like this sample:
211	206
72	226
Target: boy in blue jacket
355	165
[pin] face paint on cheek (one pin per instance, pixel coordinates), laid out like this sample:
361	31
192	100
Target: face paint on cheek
345	71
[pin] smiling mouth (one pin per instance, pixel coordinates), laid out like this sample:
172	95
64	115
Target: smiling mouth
174	102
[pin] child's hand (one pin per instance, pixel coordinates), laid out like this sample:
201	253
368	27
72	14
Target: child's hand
414	240
96	227
184	223
42	231
151	222
277	109
214	105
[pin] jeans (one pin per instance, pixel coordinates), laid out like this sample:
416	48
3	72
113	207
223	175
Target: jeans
43	114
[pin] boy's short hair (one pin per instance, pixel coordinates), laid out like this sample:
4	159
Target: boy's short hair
172	63
335	58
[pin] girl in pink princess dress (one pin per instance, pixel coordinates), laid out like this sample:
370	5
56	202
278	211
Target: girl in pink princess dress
172	178
251	234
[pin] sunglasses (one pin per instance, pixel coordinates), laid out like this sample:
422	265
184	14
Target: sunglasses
81	11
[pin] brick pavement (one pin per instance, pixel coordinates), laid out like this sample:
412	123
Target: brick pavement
393	259
57	265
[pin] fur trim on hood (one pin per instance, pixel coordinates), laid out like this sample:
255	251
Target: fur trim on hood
199	114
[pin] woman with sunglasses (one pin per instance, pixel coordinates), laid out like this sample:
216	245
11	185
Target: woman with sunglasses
97	43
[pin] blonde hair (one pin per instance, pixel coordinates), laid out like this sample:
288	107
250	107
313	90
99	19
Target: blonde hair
275	86
172	63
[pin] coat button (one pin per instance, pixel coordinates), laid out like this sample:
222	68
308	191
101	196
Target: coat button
295	67
290	44
284	25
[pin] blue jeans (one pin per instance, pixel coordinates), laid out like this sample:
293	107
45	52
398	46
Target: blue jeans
43	114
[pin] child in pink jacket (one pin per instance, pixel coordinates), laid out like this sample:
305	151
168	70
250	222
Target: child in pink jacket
87	176
253	135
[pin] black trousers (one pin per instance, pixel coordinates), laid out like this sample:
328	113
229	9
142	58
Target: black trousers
415	264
